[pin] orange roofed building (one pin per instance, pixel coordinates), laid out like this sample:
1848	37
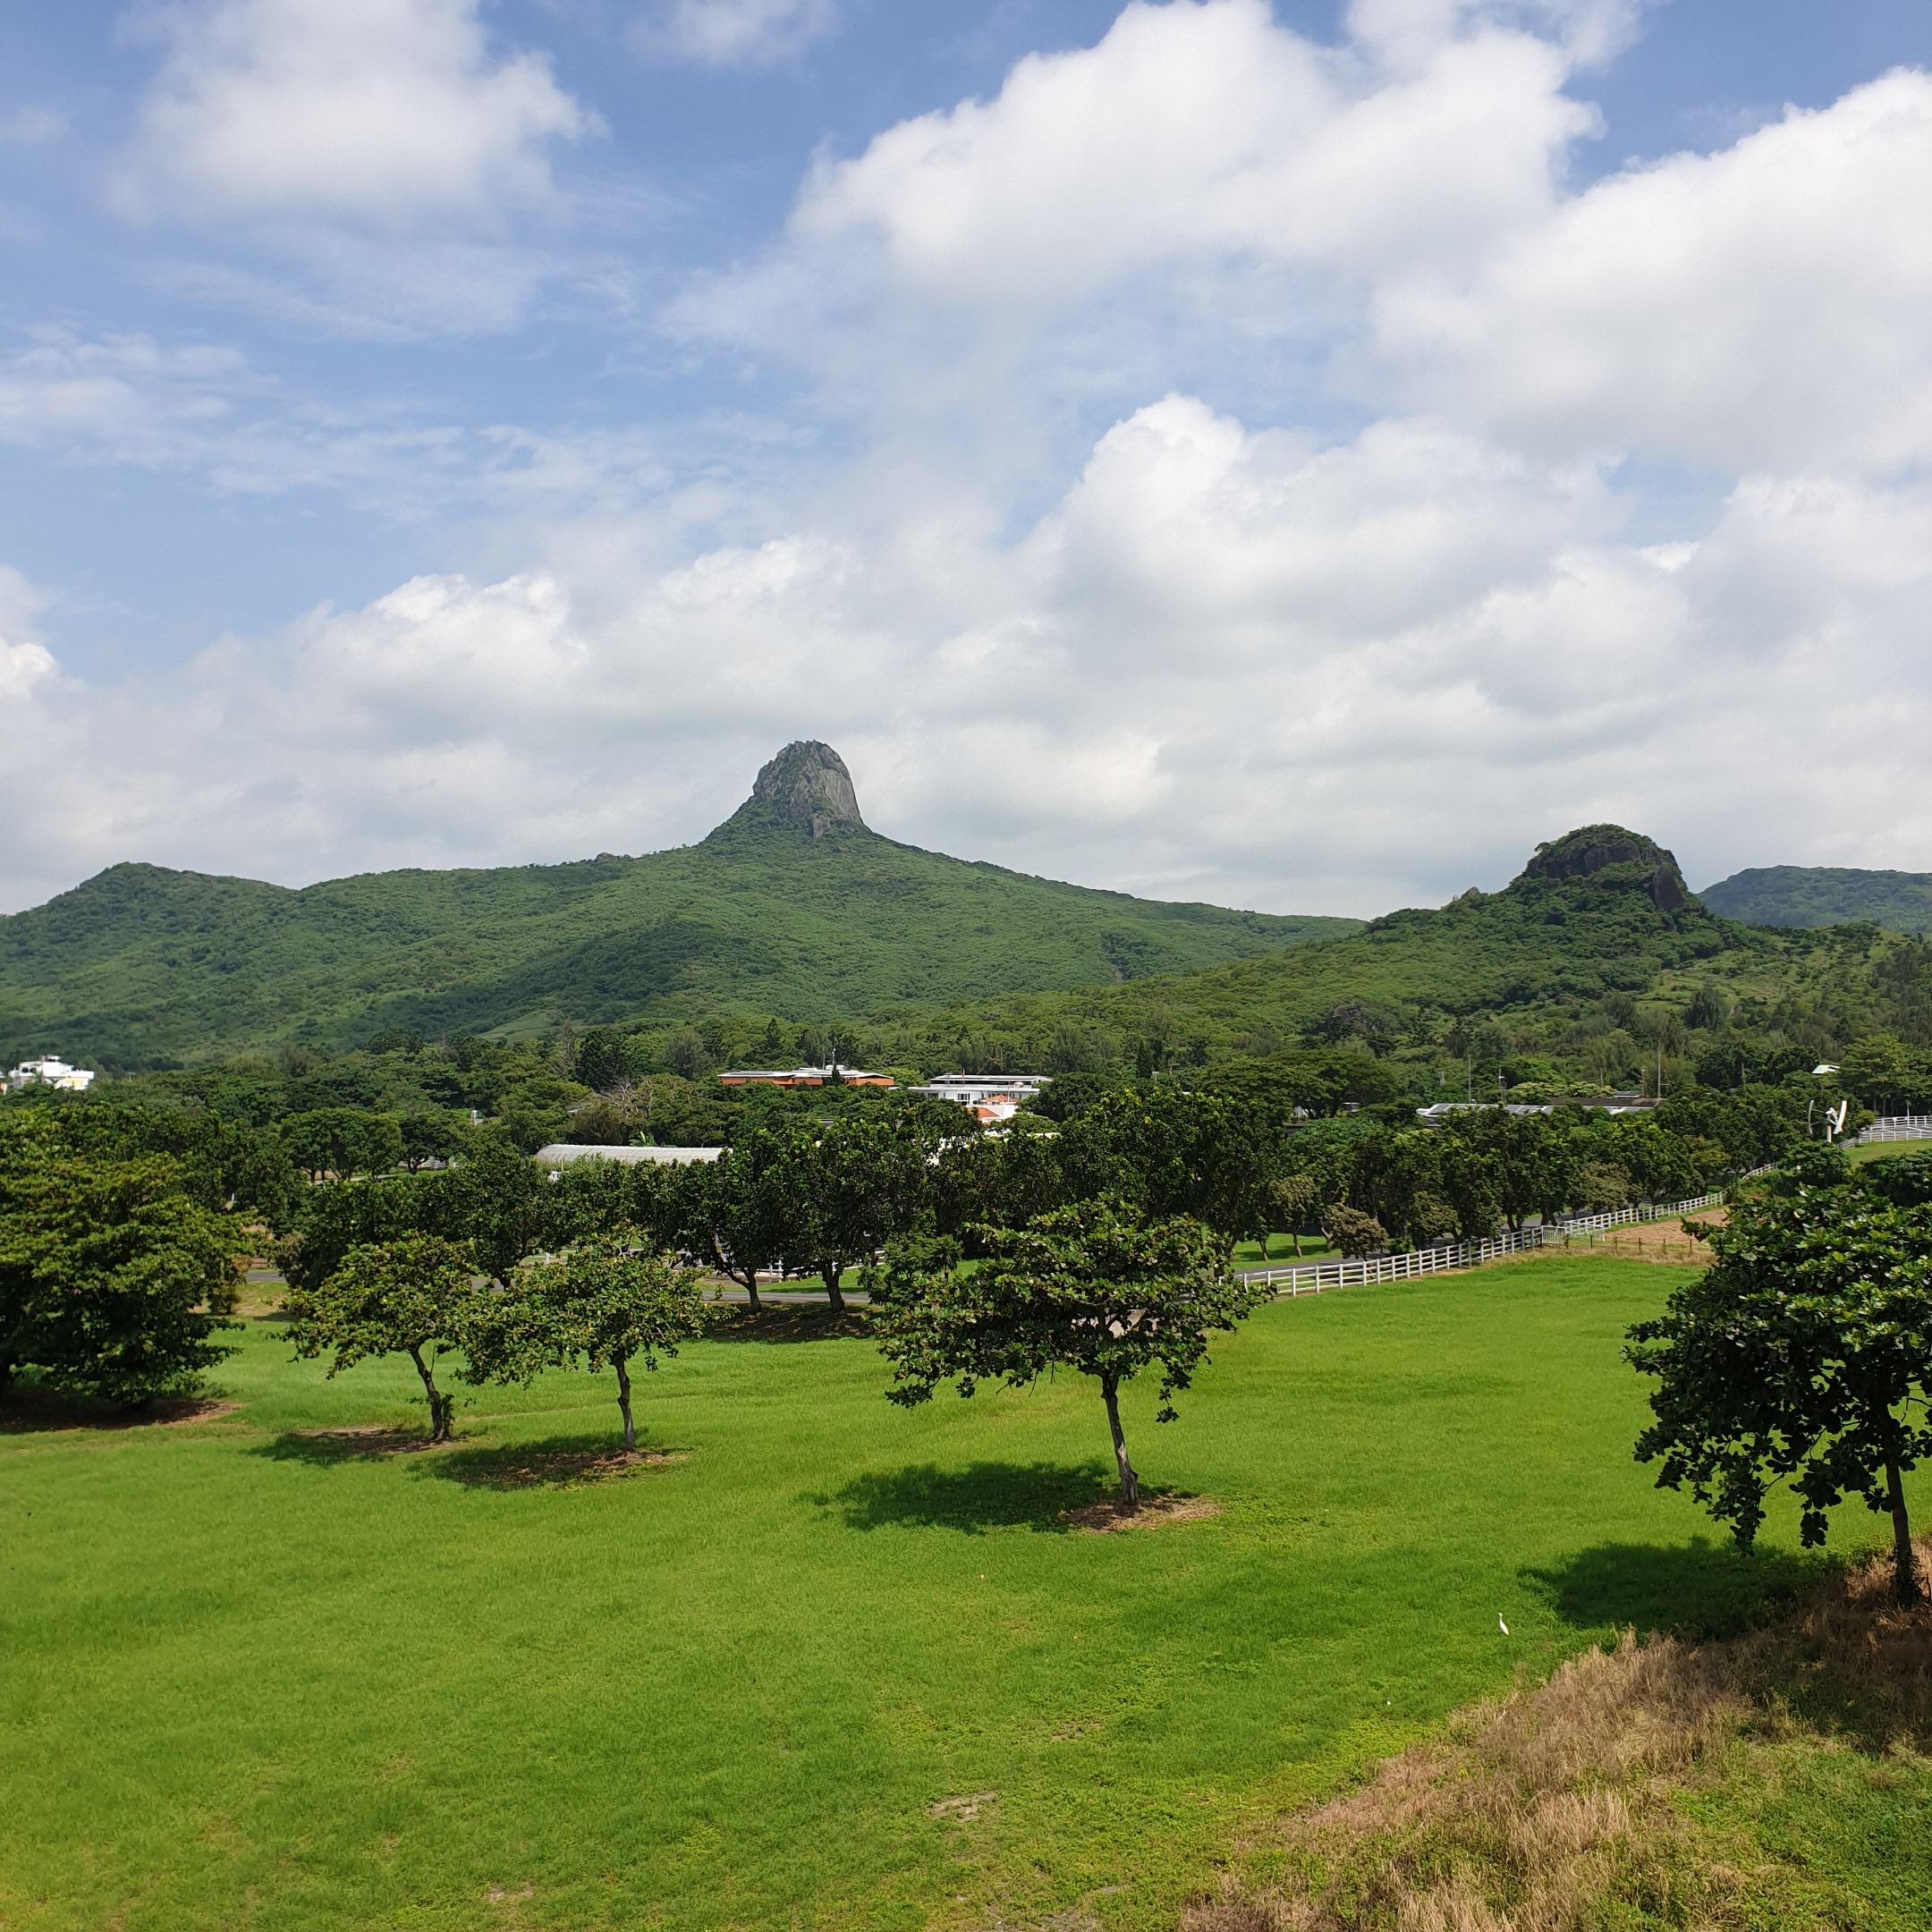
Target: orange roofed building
834	1075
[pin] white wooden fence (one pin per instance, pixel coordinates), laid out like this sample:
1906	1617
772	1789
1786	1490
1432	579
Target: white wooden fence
1895	1127
1314	1277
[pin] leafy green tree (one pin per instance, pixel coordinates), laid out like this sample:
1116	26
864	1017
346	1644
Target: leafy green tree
340	1141
1883	1072
592	1196
848	1185
1602	1187
733	1214
1297	1200
1527	1159
609	1301
1708	1009
505	1203
601	1060
1657	1160
1395	1180
1091	1287
113	1280
1350	1232
430	1136
341	1215
414	1296
1172	1152
1804	1354
1469	1189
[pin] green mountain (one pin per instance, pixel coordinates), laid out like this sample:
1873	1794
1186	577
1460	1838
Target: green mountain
1598	923
1824	895
792	907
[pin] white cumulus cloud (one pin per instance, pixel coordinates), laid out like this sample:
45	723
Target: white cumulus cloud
371	110
1763	305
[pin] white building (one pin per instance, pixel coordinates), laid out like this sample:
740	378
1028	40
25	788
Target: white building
560	1154
981	1089
48	1071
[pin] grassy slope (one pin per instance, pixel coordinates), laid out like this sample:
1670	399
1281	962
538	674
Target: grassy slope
254	1683
140	961
1824	895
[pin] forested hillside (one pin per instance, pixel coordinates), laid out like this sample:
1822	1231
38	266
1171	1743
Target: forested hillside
792	908
1824	895
1578	975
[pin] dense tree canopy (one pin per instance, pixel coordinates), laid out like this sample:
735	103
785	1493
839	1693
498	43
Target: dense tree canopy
1803	1355
113	1278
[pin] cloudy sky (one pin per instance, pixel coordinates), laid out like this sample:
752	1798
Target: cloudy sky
1297	456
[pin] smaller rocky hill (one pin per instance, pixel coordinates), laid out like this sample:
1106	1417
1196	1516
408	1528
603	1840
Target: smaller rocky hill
1613	855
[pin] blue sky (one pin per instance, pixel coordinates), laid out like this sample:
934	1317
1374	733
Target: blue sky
1296	456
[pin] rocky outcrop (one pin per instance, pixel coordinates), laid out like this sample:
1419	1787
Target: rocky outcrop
1593	849
806	786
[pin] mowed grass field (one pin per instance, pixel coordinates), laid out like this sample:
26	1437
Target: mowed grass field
830	1664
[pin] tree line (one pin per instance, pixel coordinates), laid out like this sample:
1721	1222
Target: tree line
1802	1356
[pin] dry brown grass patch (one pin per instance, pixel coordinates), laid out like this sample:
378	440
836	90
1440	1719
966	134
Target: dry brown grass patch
557	1468
1536	1812
1156	1512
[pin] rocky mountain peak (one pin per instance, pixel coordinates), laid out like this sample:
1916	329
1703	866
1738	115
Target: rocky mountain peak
1593	849
806	786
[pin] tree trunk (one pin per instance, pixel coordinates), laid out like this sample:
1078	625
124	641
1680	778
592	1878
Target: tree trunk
623	1365
1130	1483
440	1404
750	1283
1905	1584
831	1271
1294	1234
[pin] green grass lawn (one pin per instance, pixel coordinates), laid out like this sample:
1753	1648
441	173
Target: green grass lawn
257	1679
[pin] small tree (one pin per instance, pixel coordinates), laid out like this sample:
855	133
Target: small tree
414	1296
1295	1198
1804	1353
1350	1232
608	1301
1089	1287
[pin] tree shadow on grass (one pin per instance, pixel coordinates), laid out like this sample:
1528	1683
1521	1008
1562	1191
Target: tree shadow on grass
982	1497
557	1463
1699	1589
31	1410
325	1448
785	1321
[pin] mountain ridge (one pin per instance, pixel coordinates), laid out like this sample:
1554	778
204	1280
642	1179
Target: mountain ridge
792	907
1811	896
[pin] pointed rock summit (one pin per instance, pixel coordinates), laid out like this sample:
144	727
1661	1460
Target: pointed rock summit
806	788
1593	849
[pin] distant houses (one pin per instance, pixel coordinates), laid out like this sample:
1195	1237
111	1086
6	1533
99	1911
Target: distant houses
834	1075
991	1097
48	1071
